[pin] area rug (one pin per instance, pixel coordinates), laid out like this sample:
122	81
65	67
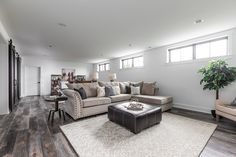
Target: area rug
175	136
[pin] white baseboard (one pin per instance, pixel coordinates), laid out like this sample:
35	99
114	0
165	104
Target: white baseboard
193	108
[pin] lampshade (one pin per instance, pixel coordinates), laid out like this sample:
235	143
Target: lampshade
95	76
112	76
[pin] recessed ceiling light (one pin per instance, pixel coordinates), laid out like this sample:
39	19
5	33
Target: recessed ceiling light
50	45
149	47
198	21
130	45
62	24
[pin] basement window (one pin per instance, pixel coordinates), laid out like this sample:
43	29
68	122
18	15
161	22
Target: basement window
133	62
103	67
207	49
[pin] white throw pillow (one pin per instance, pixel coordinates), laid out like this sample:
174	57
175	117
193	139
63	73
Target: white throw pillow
100	91
135	90
116	90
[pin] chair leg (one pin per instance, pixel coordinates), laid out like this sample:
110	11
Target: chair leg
217	118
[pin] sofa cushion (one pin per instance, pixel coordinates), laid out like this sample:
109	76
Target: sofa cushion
72	85
121	97
95	101
90	88
148	88
153	99
102	83
227	109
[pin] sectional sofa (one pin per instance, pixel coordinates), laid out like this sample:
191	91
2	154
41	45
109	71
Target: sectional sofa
77	107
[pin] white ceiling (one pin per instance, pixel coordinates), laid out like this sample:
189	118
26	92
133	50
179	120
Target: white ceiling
103	29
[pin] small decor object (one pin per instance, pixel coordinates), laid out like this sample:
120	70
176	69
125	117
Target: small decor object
68	74
58	90
217	75
112	77
134	105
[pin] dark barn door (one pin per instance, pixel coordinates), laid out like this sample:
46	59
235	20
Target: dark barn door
14	76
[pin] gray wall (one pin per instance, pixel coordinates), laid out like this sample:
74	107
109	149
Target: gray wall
179	80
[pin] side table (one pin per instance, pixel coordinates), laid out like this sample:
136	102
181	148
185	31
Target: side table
56	100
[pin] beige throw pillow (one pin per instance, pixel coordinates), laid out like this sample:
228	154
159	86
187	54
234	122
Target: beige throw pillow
148	88
100	91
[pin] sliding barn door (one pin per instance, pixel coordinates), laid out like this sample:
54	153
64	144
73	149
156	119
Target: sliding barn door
14	76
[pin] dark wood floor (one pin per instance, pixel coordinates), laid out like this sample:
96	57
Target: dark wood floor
26	132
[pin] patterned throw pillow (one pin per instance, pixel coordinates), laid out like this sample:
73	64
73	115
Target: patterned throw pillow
136	84
135	90
123	87
82	93
100	91
116	90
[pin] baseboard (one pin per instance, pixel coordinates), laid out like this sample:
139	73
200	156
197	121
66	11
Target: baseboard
193	108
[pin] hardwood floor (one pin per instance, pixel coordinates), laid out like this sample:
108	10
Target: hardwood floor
26	132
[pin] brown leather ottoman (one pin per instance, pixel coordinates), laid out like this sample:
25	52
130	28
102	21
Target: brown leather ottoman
135	121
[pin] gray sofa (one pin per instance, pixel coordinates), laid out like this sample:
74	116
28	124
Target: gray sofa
78	108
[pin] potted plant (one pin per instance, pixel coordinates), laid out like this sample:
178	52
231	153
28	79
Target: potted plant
217	75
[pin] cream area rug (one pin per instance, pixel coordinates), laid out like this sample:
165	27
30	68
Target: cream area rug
175	136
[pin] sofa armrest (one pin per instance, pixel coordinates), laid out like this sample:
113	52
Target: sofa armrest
74	104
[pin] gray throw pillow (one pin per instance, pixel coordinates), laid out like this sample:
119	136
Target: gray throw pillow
233	103
109	91
135	90
82	93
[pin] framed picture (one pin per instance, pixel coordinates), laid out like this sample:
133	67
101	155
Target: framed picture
80	78
68	74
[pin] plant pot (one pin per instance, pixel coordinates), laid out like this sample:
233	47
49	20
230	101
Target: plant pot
213	113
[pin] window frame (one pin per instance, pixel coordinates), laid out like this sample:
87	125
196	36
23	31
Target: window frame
132	59
105	68
193	45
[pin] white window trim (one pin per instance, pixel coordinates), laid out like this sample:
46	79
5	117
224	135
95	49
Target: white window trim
99	64
227	56
132	67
